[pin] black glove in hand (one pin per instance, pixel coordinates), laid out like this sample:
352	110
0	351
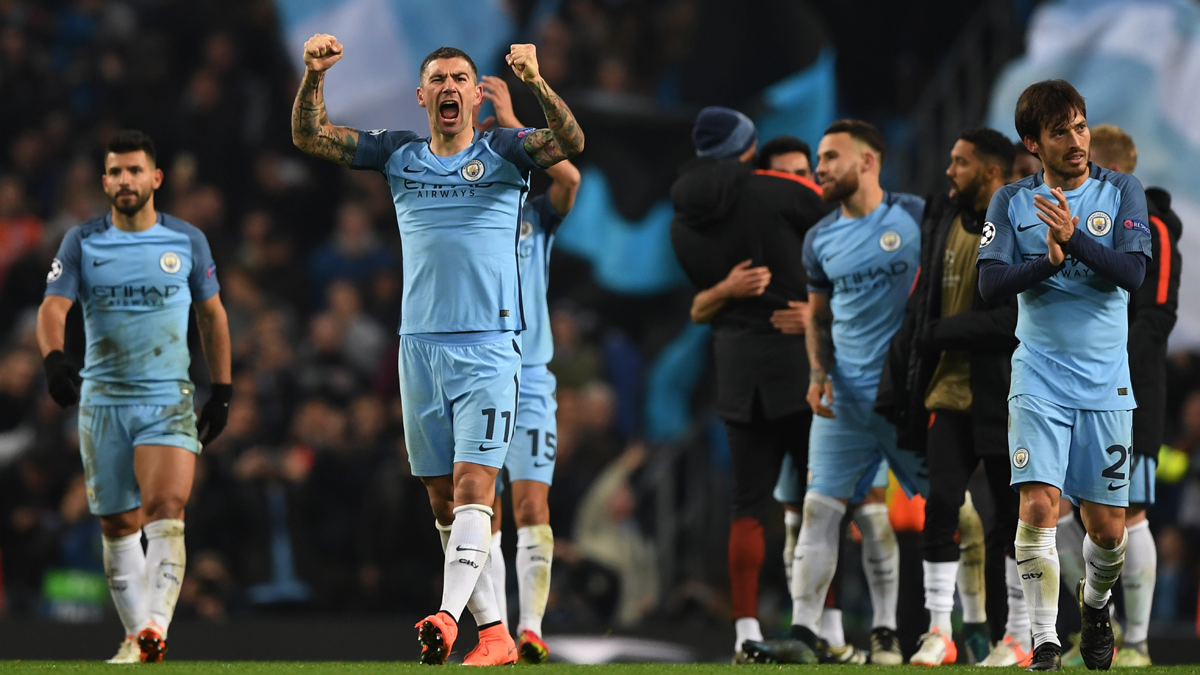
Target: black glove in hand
215	414
62	378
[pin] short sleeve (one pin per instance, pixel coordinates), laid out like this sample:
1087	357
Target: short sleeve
510	144
1131	233
998	241
203	279
65	271
376	147
818	282
548	217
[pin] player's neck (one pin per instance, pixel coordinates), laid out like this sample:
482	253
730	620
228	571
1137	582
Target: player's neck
1053	179
444	145
144	219
865	200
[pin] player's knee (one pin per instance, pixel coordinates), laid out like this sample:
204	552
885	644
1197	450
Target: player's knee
121	524
531	511
162	507
474	488
1039	504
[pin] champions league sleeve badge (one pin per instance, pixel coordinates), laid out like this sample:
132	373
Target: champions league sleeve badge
56	269
989	233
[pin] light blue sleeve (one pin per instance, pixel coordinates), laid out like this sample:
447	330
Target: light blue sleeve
203	279
1131	229
510	144
65	272
818	282
998	241
376	147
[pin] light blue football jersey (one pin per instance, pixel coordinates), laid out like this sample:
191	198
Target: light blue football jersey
867	266
135	289
1074	326
459	220
539	222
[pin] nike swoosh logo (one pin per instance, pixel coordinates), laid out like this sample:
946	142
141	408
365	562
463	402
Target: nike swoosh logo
1112	487
483	449
1022	562
538	466
97	263
468	548
1022	228
408	169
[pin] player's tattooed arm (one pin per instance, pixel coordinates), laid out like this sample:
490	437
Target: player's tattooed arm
311	130
819	341
563	139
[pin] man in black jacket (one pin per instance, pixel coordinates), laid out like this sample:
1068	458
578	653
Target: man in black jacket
739	235
945	386
1152	314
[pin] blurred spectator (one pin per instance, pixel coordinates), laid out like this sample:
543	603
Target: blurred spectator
575	362
322	368
354	252
364	337
18	395
20	230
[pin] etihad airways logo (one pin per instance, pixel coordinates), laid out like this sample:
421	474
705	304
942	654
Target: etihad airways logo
431	191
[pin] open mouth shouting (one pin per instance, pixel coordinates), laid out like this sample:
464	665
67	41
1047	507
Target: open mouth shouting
449	112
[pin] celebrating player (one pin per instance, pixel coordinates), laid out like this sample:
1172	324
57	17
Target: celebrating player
136	271
861	260
1073	242
458	201
1152	313
530	461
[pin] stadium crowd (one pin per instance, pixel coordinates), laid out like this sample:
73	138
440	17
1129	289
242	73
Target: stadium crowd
306	500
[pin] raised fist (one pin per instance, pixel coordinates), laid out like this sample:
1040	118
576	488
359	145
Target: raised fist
523	59
321	52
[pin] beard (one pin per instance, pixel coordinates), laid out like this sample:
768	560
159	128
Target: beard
130	208
1063	168
965	196
837	189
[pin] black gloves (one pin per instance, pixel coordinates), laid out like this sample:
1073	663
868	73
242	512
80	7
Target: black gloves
215	414
63	379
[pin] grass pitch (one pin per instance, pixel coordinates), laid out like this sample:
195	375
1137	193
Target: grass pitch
365	668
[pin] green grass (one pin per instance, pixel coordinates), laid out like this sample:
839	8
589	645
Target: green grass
357	668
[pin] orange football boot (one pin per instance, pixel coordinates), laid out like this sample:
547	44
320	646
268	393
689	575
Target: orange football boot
532	648
495	648
152	643
436	633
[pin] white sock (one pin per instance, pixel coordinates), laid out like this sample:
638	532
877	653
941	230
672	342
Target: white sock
1017	626
444	533
1070	551
467	558
816	558
1103	570
972	588
939	593
1137	579
166	559
746	628
125	567
535	553
480	607
791	532
499	578
1037	561
881	562
831	628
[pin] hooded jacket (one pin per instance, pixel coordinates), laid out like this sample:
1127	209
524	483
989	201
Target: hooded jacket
726	212
986	332
1152	313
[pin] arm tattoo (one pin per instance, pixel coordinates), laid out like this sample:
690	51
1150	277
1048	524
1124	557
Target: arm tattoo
819	341
311	130
564	138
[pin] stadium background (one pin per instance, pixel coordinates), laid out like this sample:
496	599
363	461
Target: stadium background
304	520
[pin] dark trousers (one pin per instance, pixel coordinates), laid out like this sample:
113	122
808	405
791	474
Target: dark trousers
952	460
756	450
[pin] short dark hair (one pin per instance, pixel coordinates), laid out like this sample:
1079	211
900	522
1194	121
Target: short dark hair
992	145
447	53
1048	104
862	131
781	145
132	140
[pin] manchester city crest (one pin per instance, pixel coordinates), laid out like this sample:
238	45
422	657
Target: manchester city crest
1020	458
170	262
1099	223
526	229
889	241
473	170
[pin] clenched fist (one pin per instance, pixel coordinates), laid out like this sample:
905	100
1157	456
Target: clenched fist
321	52
523	59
